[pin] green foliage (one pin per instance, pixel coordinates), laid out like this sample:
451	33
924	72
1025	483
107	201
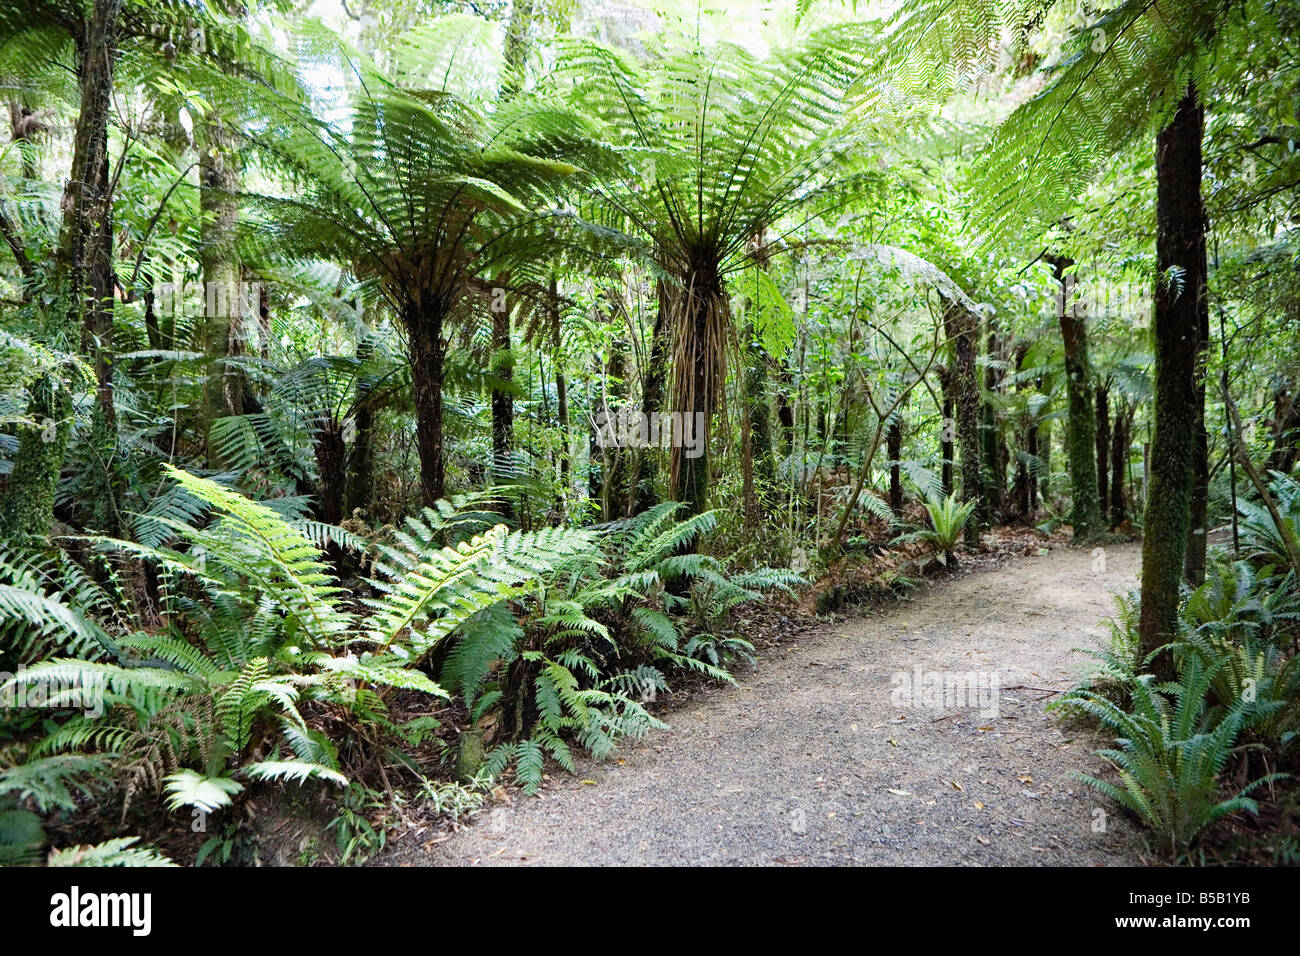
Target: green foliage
583	656
258	629
948	518
1170	754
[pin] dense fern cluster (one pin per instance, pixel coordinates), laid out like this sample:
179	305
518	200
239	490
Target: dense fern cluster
218	681
1234	711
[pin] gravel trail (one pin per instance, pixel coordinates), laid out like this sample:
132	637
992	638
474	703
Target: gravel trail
820	756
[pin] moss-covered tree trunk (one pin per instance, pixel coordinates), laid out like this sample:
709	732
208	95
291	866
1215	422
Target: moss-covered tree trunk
1080	427
962	329
1103	447
1180	244
1194	559
82	279
993	455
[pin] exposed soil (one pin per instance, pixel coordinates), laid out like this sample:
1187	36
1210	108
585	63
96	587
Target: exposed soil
820	757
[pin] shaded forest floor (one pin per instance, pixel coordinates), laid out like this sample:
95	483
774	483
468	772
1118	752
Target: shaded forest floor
811	759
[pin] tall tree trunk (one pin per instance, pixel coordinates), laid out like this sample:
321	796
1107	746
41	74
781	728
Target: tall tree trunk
223	334
962	329
643	479
106	484
946	428
894	447
1103	447
1080	428
1180	243
697	359
619	493
561	395
992	455
1194	559
1118	460
361	461
1031	483
81	269
784	410
1045	456
503	403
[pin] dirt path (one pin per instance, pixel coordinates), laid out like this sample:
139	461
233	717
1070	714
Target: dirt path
819	756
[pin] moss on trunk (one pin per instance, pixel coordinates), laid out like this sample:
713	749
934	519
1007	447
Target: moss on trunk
1180	243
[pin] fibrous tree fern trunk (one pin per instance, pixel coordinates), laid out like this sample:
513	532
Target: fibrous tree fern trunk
428	351
961	326
700	320
1080	426
1180	245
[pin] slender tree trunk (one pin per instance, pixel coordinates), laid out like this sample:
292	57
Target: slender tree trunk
619	492
1180	242
784	410
1103	447
1118	459
946	428
1080	439
561	395
503	403
1194	560
361	462
223	334
1045	456
962	330
644	477
894	447
992	454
